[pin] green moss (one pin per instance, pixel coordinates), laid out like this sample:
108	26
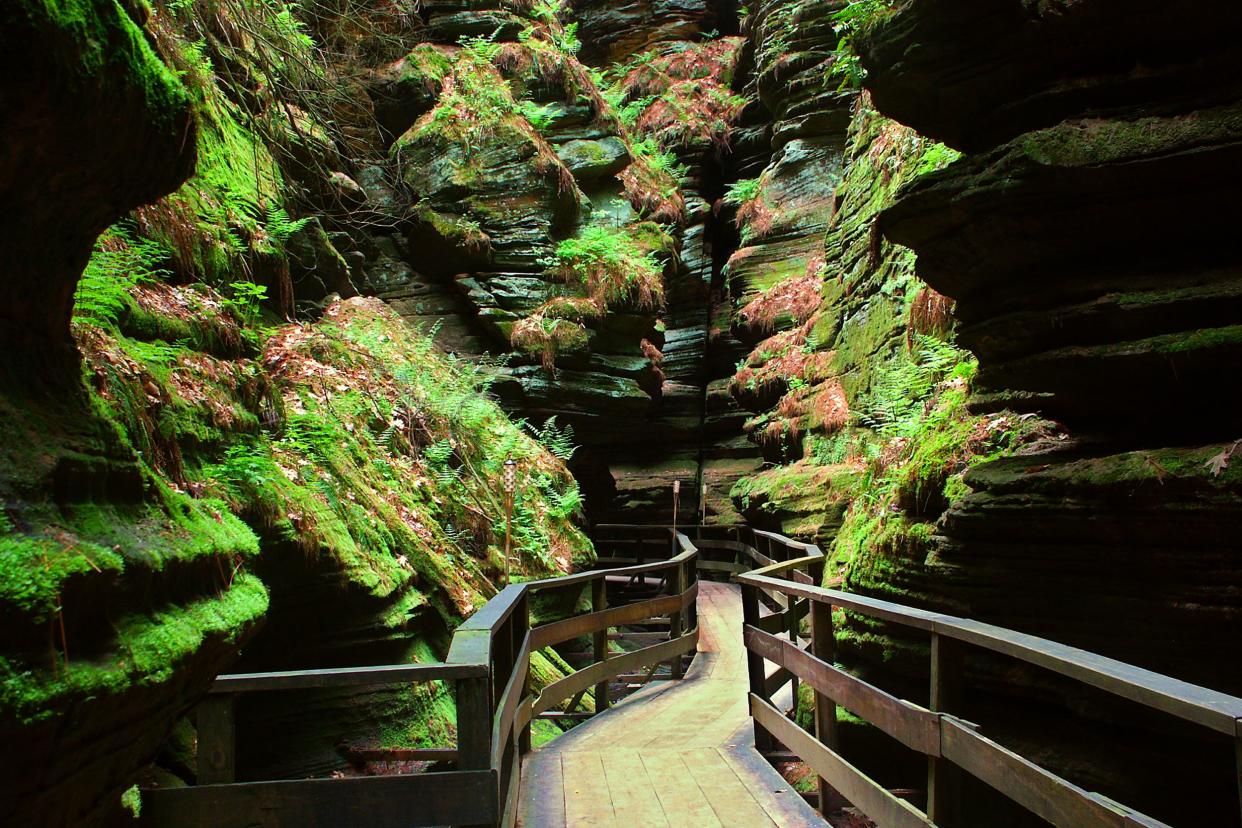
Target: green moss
152	647
421	715
34	571
427	63
131	801
97	42
1103	141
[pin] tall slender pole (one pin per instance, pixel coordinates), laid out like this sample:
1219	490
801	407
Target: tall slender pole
676	501
509	484
508	536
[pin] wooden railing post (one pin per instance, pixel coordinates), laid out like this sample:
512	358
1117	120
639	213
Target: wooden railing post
791	625
823	647
816	571
944	779
1238	755
640	556
599	640
676	585
474	727
521	629
504	657
217	752
692	570
754	663
474	723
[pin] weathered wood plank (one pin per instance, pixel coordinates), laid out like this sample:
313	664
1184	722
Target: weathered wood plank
823	647
542	806
588	802
361	754
634	800
722	566
1218	711
1042	793
734	803
587	577
451	798
560	631
599	643
217	751
345	677
474	724
512	792
944	779
913	726
510	700
684	802
565	688
863	793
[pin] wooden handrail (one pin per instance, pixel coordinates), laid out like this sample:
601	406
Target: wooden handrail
489	663
1218	711
345	677
949	742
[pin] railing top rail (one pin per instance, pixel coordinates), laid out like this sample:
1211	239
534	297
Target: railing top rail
1210	708
469	654
345	677
596	574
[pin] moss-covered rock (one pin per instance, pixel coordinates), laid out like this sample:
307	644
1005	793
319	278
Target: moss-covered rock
69	67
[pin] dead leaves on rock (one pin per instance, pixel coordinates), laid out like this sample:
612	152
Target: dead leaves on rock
1218	463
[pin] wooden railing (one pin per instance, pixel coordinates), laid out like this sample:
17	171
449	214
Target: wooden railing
789	637
951	744
489	665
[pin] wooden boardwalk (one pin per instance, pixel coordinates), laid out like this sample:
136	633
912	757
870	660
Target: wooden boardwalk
677	753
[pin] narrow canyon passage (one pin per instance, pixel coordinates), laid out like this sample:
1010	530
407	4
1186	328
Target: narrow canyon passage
677	753
324	323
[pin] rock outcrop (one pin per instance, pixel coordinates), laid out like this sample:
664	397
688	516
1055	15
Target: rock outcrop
112	608
1083	241
181	463
995	384
67	70
1085	259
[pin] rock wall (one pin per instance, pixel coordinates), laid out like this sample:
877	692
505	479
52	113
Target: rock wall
183	464
1095	289
995	384
1098	317
590	161
1082	238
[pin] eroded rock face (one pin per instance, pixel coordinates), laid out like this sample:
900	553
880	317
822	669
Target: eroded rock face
975	73
94	546
489	187
65	179
1086	261
617	31
1086	243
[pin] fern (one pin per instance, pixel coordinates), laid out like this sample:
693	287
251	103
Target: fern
540	116
243	467
480	49
898	396
559	441
280	226
742	192
119	263
438	456
566	504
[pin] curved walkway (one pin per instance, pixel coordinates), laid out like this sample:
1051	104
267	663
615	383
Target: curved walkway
677	753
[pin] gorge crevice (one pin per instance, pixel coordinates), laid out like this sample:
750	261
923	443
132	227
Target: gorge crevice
946	287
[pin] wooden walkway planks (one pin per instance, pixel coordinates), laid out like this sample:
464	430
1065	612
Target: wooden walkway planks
675	754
